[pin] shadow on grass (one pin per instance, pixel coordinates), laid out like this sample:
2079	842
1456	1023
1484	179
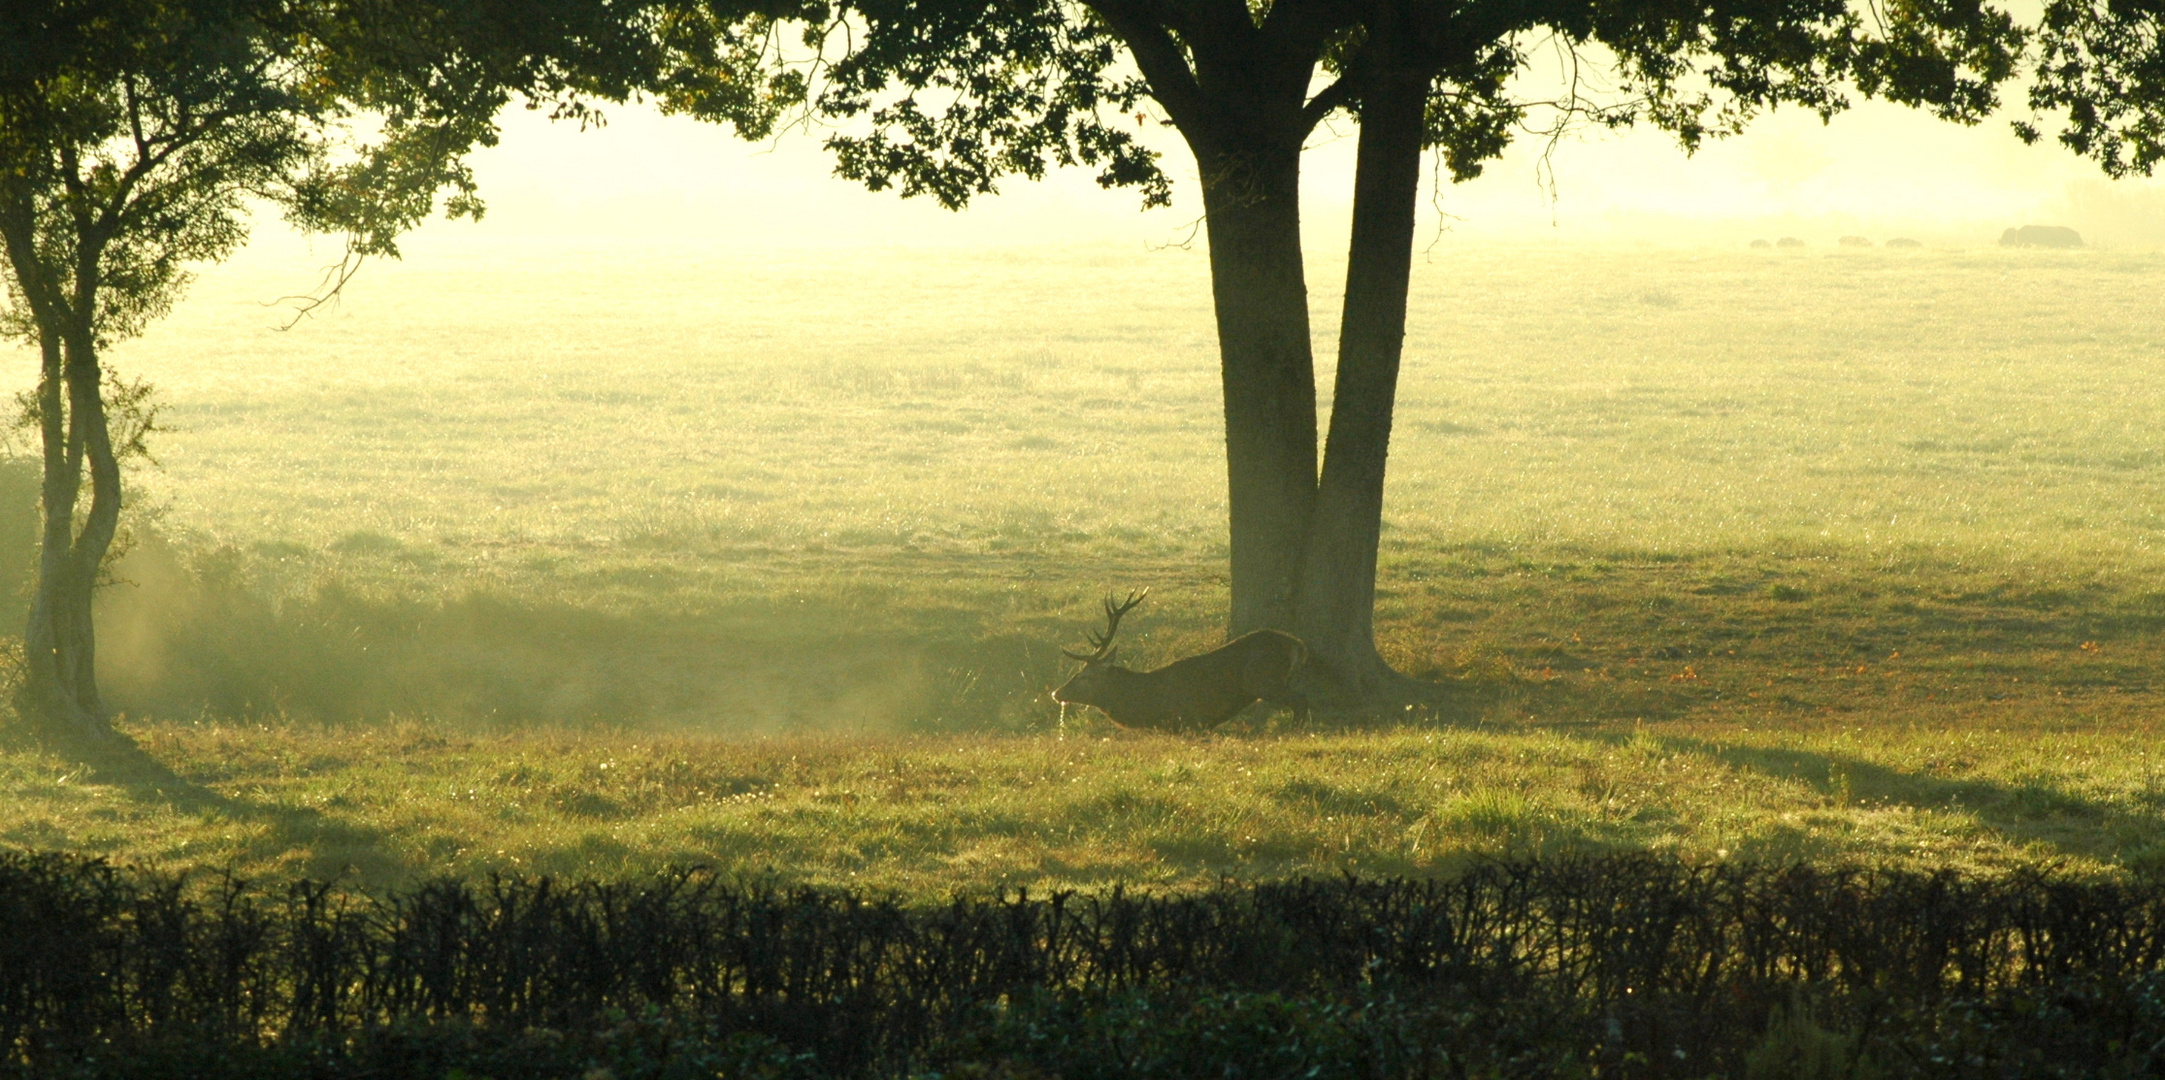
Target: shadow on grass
1472	702
334	847
2029	814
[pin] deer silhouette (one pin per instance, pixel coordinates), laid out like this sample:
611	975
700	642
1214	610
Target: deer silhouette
1193	694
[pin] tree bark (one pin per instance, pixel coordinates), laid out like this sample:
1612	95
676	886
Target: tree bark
1267	364
60	641
1337	598
60	695
42	700
86	407
1303	552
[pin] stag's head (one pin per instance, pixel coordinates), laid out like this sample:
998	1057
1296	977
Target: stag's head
1102	657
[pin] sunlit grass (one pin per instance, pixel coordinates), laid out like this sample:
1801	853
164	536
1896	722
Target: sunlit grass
384	805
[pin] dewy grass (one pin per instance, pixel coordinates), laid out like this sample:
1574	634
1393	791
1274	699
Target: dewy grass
1834	554
923	815
601	432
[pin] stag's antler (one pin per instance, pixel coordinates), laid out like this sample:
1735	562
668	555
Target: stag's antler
1101	645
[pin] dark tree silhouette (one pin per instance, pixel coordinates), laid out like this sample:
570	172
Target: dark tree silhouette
946	97
2101	68
134	135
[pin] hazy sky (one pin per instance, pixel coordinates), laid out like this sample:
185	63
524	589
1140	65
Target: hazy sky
647	179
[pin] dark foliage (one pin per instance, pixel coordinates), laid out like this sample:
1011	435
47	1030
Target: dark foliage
960	93
2101	68
1613	966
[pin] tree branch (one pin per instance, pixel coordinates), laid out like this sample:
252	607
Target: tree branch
1143	26
1227	22
327	290
135	118
1326	101
1303	26
18	228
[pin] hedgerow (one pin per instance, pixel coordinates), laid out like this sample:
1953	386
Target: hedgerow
1628	965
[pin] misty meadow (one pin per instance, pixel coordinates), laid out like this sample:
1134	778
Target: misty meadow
659	580
1318	641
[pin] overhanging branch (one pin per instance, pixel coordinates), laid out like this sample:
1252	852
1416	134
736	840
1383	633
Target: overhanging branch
329	287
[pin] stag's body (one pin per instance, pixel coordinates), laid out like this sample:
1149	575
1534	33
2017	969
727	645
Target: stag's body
1199	692
1194	694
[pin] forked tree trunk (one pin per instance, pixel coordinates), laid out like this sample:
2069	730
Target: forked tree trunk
1337	599
59	694
60	687
1299	563
1303	550
1267	365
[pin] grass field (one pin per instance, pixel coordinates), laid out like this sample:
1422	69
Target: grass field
927	815
600	562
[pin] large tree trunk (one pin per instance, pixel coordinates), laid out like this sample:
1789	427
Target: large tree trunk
1303	552
1337	598
1252	198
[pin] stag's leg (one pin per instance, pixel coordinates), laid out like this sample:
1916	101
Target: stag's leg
1296	701
1268	680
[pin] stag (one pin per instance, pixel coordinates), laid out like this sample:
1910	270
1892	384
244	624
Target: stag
1194	694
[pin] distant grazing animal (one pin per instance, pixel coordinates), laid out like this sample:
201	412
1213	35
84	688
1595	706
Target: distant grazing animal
1789	241
1761	244
1905	242
1195	694
1854	241
2045	236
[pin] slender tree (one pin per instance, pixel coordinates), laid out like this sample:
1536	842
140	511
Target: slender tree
945	97
136	136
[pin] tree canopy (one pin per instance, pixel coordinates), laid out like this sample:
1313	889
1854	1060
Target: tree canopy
138	138
2101	67
960	93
